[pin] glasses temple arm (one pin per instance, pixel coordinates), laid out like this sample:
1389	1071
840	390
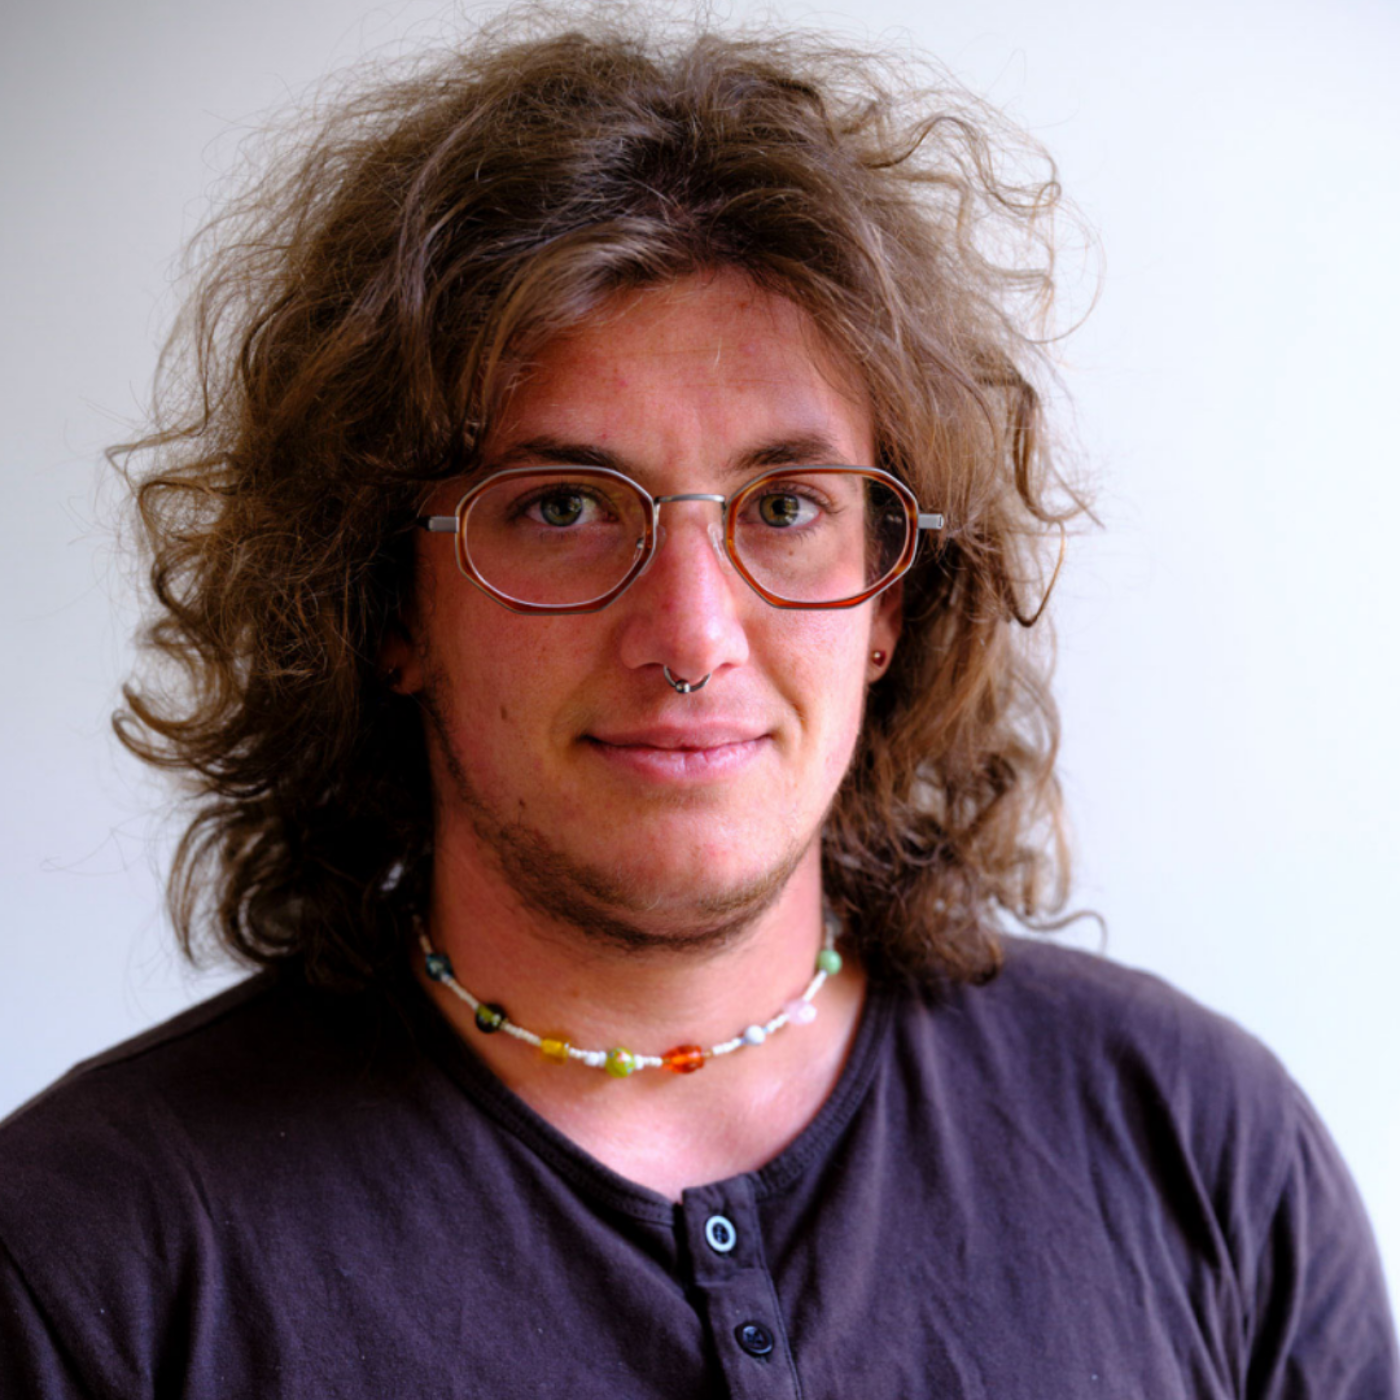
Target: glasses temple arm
929	521
438	524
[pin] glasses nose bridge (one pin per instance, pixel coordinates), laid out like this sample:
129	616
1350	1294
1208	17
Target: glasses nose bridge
715	530
659	501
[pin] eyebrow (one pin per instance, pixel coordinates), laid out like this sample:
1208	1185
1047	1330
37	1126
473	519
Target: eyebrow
799	449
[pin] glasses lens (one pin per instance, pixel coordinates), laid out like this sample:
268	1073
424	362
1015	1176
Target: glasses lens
555	539
820	536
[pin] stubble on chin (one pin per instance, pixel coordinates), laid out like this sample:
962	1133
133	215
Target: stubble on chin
606	907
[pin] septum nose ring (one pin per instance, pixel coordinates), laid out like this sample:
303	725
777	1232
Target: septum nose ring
717	539
684	687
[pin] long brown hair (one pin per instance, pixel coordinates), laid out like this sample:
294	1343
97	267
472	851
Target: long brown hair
356	316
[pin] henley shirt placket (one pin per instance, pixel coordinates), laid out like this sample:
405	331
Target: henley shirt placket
729	1274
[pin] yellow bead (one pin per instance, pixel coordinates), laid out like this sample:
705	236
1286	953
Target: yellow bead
555	1050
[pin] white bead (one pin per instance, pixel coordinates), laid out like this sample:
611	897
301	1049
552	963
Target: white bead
755	1035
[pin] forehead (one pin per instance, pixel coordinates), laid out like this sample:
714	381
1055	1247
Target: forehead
704	371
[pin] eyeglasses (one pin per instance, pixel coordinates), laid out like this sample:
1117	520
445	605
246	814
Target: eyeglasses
571	539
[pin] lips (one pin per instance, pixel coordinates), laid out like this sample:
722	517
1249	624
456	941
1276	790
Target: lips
708	735
680	753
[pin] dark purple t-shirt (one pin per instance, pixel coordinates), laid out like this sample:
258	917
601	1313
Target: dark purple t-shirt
1072	1182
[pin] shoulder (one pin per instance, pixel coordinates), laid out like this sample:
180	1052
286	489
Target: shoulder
1048	982
266	1031
119	1134
142	1086
1179	1129
102	1189
214	1085
1113	1064
1071	1012
121	1179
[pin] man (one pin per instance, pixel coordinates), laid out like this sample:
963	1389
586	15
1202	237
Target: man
592	545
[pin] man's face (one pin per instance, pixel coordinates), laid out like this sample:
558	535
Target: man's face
561	757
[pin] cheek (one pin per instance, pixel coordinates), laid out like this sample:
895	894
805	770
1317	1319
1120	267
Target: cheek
471	661
847	727
505	683
484	655
827	662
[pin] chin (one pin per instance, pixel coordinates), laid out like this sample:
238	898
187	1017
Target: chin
684	897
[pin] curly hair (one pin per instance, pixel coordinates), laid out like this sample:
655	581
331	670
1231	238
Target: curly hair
358	313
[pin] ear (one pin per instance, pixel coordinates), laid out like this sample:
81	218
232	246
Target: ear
885	627
400	664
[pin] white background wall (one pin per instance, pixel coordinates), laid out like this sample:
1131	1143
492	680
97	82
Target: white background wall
1228	643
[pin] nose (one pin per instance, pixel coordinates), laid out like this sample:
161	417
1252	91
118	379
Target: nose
687	609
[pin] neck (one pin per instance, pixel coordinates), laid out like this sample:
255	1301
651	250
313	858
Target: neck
557	982
680	986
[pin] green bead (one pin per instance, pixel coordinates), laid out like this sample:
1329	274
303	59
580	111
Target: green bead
829	961
620	1063
490	1017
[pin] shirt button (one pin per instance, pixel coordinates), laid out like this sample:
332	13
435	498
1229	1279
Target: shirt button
755	1338
720	1234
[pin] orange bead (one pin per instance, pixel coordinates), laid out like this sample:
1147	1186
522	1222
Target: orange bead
556	1050
684	1059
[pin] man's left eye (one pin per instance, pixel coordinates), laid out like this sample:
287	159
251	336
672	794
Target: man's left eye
784	510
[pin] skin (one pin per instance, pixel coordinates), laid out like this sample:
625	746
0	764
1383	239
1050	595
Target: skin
636	866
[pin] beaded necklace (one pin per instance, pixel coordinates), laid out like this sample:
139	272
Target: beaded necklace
618	1061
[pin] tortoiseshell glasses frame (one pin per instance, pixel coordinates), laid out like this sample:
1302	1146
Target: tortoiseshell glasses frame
632	553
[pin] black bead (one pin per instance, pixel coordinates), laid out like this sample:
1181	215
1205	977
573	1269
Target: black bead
490	1017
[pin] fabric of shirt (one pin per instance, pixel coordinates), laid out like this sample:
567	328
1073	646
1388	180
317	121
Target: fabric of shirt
1070	1182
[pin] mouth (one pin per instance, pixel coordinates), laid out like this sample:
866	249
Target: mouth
692	753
